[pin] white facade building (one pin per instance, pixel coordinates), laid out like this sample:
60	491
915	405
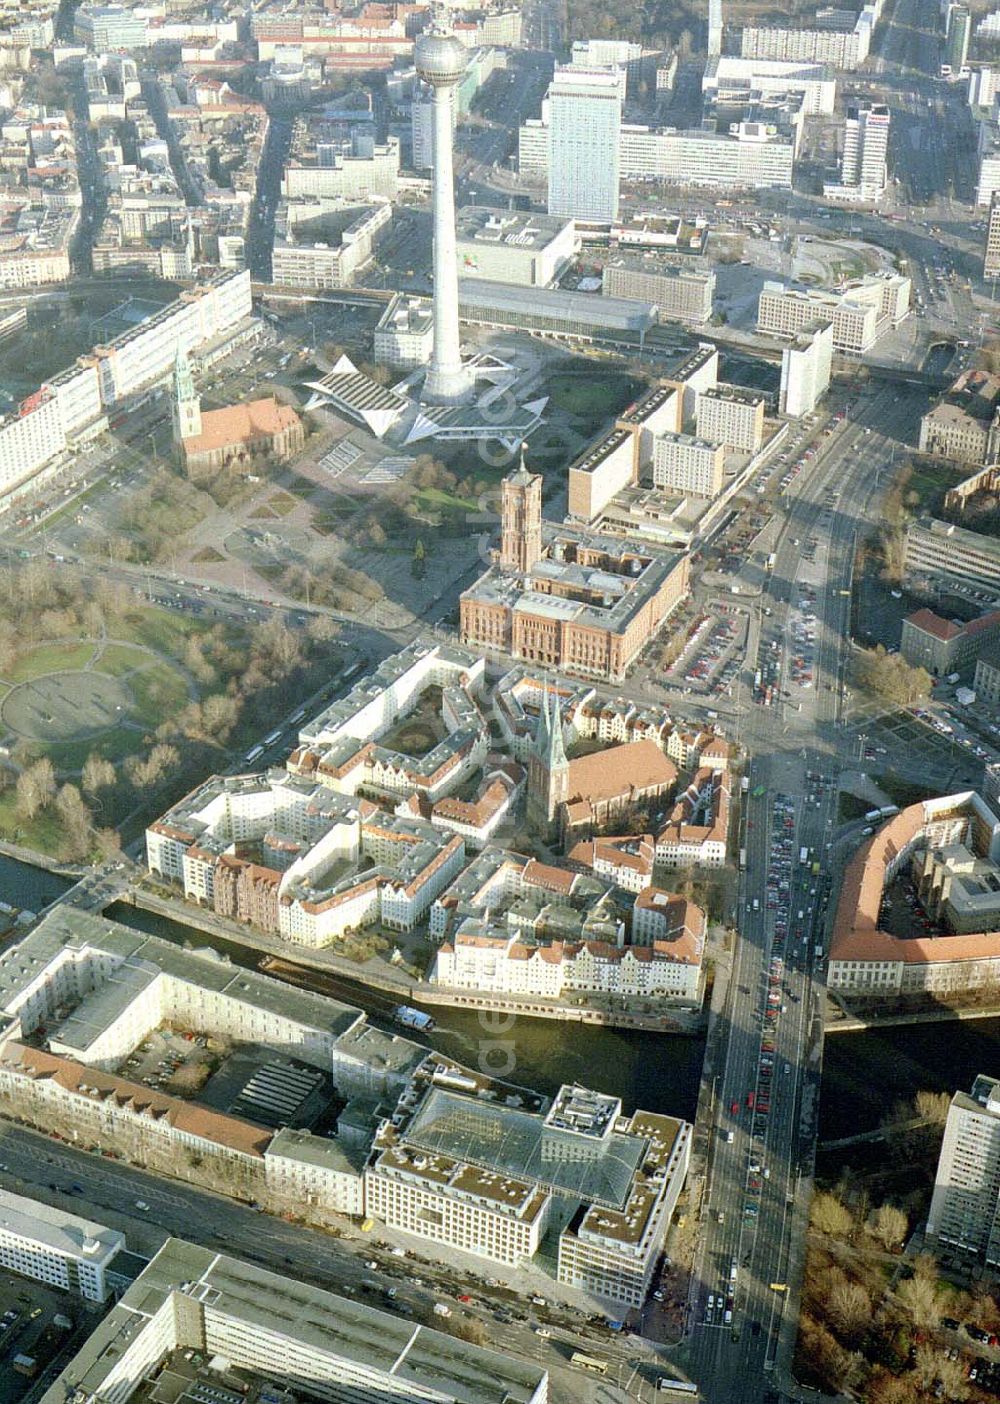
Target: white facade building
863	171
57	1248
727	414
683	463
805	369
273	1328
964	1215
585	117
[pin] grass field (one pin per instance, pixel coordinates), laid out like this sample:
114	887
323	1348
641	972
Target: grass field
159	691
117	659
160	629
589	396
51	658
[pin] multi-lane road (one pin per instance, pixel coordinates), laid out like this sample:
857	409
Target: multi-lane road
768	1043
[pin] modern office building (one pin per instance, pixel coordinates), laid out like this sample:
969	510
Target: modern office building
730	415
558	314
991	260
729	78
227	1329
509	246
321	243
105	28
352	168
680	294
941	554
493	1179
964	1216
806	367
57	1248
685	464
585	117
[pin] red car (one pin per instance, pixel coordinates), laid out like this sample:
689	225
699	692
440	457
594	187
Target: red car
464	1297
734	1108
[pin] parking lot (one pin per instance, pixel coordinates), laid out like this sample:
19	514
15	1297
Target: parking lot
178	1063
713	653
29	1332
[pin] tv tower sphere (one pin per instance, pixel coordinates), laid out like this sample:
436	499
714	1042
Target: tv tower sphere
441	60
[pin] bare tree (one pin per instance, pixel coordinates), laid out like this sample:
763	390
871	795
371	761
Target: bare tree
828	1215
98	774
108	842
889	1225
75	817
848	1307
933	1107
36	788
918	1296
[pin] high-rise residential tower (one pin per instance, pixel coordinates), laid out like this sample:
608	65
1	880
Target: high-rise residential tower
714	28
866	145
441	60
964	1211
585	119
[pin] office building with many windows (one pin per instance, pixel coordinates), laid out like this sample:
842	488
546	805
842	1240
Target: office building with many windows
585	117
228	1329
57	1248
964	1216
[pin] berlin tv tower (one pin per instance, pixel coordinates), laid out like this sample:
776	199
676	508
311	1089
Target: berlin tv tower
441	60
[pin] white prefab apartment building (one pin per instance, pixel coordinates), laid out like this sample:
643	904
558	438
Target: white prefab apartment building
683	463
728	414
59	1249
806	367
965	1208
275	1329
585	118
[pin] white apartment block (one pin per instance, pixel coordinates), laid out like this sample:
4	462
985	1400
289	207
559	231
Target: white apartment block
806	367
680	294
271	1327
860	314
991	259
29	441
964	1216
727	414
685	464
844	49
585	116
988	146
57	1248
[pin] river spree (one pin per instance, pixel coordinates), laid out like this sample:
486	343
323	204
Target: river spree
646	1070
864	1075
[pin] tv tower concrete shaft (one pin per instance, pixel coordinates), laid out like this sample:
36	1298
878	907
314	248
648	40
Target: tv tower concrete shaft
441	61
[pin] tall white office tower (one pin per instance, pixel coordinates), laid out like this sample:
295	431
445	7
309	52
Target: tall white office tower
441	60
866	145
964	1212
585	120
714	28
